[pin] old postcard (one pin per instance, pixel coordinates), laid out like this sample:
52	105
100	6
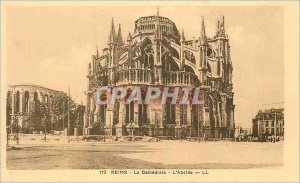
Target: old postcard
149	91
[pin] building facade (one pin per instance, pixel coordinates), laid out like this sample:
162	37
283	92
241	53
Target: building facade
157	54
23	99
268	123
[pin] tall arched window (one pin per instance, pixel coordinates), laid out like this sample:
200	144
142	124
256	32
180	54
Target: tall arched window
170	115
46	99
130	112
36	100
142	118
26	102
17	108
183	114
51	98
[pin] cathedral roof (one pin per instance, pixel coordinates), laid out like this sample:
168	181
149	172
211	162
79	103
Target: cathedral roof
149	19
156	25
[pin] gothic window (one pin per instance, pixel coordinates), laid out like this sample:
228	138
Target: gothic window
46	99
17	109
183	114
149	55
142	117
209	52
51	99
188	55
129	117
173	113
149	49
170	115
26	102
36	100
196	114
137	52
102	113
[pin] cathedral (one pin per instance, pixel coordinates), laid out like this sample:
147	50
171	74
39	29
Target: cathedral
158	54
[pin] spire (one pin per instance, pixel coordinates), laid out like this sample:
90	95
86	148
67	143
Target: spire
220	26
203	28
112	34
158	34
97	53
129	38
203	38
119	38
182	37
181	49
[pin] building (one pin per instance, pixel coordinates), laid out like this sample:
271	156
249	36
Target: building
267	123
158	54
241	133
23	102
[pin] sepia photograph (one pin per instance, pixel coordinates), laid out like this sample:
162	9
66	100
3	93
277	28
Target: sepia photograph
149	91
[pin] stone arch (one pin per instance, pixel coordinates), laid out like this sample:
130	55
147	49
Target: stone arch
188	69
174	52
195	79
146	41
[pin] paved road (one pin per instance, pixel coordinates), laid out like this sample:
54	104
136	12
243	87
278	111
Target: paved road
146	155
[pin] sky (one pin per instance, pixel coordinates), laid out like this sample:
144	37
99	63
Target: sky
52	45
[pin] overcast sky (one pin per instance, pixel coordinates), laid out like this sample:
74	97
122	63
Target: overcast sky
51	46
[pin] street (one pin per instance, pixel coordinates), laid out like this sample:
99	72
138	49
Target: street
146	155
